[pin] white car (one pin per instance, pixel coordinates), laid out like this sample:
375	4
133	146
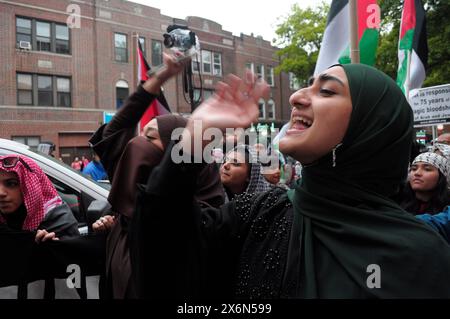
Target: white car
75	188
79	191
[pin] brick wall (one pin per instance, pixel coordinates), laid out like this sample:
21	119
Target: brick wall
94	72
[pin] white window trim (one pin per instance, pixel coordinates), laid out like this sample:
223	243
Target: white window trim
293	82
210	62
271	104
261	101
219	64
271	75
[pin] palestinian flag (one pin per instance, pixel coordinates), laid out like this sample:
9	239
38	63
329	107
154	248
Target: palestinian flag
412	46
159	106
336	39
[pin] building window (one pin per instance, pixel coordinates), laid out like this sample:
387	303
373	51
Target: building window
43	35
270	109
62	39
195	64
217	64
63	92
260	71
45	90
23	30
262	109
294	83
250	66
120	47
121	92
24	89
42	88
144	50
269	76
156	53
205	94
206	61
43	41
31	141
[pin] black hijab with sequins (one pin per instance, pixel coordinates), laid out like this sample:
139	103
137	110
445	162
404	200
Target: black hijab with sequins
349	239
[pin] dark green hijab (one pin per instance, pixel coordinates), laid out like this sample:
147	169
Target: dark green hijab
344	220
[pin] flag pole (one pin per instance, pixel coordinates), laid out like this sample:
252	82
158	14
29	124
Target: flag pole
354	48
135	43
135	39
408	67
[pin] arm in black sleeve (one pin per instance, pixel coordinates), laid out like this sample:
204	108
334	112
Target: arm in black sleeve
170	225
129	115
110	139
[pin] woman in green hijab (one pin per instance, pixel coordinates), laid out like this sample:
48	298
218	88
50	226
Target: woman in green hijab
337	234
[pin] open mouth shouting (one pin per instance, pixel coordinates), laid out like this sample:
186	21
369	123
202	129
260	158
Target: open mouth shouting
299	124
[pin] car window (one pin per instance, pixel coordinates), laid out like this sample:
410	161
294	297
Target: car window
104	184
71	197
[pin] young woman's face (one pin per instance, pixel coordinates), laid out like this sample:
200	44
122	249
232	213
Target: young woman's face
151	132
10	195
234	171
272	176
423	177
319	117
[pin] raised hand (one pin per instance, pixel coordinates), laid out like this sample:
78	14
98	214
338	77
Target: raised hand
173	64
234	105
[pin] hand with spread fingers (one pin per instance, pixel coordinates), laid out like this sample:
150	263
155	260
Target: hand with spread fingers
234	105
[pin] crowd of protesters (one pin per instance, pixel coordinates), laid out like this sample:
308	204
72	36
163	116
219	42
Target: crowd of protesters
299	218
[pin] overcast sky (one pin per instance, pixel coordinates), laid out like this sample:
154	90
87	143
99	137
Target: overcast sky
259	17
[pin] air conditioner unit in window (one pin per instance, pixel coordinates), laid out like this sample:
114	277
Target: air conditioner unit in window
25	45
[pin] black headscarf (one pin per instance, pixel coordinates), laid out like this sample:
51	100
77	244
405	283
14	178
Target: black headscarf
141	156
344	219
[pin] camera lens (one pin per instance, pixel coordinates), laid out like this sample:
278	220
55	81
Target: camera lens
168	40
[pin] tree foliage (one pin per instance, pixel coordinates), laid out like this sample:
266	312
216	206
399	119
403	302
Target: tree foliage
300	37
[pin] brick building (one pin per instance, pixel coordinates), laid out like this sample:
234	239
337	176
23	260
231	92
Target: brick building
57	82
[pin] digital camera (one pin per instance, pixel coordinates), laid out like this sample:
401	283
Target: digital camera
180	39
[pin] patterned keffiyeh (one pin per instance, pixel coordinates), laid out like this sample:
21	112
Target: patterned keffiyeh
440	162
39	194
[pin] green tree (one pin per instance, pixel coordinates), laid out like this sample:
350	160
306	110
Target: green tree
299	38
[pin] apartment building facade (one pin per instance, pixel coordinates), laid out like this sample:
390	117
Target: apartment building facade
67	65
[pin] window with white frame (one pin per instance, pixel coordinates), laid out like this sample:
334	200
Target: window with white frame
195	64
269	76
120	47
271	109
217	64
142	42
250	66
262	109
294	83
260	71
157	51
205	94
206	61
